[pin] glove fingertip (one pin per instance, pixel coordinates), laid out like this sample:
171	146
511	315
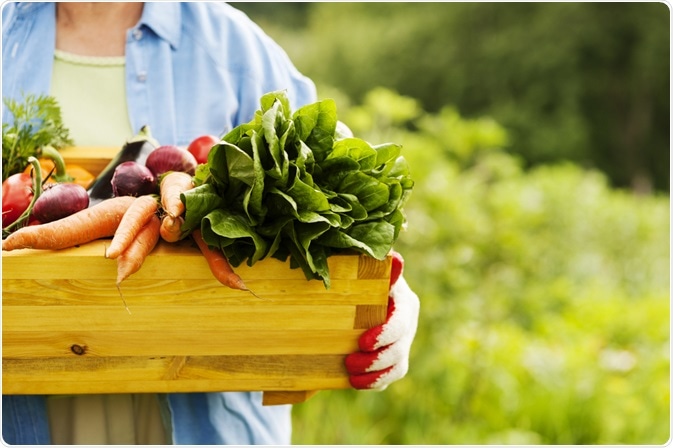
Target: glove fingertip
369	339
367	380
358	363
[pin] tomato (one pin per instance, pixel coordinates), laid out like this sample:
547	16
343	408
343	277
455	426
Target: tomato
200	147
17	193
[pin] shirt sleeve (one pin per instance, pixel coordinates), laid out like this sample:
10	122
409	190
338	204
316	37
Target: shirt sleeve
261	64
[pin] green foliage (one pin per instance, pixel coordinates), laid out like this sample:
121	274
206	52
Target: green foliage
587	82
544	299
287	185
35	122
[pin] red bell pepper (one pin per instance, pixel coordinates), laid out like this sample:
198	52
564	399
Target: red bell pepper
17	194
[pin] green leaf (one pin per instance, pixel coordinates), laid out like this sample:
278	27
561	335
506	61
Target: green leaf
371	192
335	169
230	227
239	164
199	201
268	101
373	238
307	197
387	152
357	150
315	124
252	201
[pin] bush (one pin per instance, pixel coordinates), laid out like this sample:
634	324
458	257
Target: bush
544	299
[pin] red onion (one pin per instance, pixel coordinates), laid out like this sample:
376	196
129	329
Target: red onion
60	200
133	179
171	158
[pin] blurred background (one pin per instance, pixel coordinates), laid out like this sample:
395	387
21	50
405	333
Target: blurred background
538	239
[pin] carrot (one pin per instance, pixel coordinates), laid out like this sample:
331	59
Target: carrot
170	228
98	221
137	215
131	260
218	264
171	186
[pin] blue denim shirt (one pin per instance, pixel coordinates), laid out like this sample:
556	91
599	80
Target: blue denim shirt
191	69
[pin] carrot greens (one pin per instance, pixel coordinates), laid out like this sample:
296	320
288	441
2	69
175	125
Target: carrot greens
35	128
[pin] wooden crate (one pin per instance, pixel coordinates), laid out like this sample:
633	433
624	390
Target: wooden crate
65	329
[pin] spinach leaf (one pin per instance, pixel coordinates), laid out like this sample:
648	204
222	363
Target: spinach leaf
288	185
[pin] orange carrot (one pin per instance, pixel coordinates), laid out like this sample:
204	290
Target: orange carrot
98	221
170	228
138	214
131	260
218	264
172	185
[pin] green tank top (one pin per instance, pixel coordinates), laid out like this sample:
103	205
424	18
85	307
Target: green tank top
91	92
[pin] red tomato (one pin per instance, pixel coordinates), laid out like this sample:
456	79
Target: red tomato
17	193
200	147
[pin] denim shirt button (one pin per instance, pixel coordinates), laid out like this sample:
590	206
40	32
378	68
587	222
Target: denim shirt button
142	77
137	34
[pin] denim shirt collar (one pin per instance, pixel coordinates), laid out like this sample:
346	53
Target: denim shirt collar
164	19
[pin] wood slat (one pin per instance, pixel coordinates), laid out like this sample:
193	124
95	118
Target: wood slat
92	158
44	344
248	318
158	374
167	261
188	292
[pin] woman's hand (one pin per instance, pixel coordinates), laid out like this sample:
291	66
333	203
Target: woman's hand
384	350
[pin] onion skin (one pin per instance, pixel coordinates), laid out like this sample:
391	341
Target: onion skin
136	149
133	179
60	200
171	158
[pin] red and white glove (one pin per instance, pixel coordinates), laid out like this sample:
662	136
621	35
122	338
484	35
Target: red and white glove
384	350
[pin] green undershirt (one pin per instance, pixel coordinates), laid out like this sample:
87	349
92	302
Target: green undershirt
91	92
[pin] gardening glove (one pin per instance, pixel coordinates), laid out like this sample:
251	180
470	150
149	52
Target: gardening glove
384	350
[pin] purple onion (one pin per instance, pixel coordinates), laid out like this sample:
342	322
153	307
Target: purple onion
171	158
133	179
60	200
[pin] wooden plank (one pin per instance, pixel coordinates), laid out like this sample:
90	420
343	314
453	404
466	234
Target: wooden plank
88	262
92	158
187	292
45	344
209	373
247	317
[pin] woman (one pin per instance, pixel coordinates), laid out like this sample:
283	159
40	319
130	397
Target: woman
184	69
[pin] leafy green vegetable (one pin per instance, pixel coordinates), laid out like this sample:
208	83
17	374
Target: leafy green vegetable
288	185
36	124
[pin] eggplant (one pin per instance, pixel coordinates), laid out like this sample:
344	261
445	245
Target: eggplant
135	149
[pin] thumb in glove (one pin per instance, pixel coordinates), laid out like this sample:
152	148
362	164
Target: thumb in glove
384	349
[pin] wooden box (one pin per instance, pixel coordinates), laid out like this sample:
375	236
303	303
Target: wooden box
66	330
